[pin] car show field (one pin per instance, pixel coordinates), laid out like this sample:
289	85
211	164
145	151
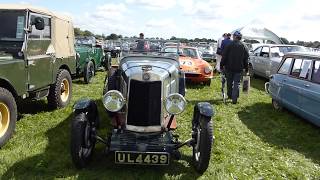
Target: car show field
252	140
179	101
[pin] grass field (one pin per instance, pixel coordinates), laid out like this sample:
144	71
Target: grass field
252	141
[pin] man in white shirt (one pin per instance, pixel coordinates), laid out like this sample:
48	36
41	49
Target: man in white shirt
219	52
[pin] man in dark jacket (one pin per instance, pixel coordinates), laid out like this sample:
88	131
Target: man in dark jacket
234	61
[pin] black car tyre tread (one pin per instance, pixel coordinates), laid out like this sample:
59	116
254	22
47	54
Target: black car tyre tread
207	83
110	82
54	97
276	105
206	141
7	100
89	72
78	128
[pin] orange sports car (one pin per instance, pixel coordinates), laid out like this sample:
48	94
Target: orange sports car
195	68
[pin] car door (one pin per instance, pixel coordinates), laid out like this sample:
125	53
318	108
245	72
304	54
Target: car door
264	61
39	59
290	90
311	94
254	59
277	88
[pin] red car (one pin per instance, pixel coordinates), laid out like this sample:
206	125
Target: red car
195	68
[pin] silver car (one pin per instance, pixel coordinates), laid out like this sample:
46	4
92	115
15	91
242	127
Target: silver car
266	58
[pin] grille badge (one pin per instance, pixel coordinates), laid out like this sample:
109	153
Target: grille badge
146	76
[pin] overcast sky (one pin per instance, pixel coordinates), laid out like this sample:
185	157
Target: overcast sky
293	19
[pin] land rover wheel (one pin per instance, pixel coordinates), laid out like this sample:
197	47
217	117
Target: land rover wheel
8	115
276	105
89	72
202	134
60	93
82	140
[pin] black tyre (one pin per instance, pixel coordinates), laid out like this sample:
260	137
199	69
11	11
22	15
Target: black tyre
107	62
88	72
61	92
110	82
8	115
182	86
82	140
207	83
202	133
276	105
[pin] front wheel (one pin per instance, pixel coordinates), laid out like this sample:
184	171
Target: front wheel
202	134
276	105
207	83
60	92
8	115
82	140
89	72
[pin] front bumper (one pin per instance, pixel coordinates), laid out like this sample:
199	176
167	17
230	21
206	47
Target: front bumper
197	77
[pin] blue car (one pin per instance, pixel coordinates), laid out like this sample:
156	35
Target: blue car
296	85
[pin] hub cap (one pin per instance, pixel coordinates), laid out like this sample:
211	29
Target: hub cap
4	118
65	90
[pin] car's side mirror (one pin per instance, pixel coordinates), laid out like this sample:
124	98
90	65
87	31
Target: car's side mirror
38	23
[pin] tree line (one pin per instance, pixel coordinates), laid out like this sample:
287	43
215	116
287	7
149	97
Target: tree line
113	36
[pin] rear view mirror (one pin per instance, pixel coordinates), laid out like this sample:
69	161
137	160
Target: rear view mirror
39	23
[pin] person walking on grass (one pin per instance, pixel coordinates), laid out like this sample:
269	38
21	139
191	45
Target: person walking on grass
234	60
219	52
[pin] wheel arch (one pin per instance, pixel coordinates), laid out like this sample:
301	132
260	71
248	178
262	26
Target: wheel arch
66	67
7	85
204	109
87	106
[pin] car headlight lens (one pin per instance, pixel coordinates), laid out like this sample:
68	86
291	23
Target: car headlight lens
208	69
113	101
175	104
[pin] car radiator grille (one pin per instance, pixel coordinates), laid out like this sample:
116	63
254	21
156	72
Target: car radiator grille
144	106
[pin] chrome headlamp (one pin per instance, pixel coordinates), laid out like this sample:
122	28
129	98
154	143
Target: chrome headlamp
175	104
113	101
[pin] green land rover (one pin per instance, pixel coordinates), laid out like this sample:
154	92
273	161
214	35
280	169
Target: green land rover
37	59
90	57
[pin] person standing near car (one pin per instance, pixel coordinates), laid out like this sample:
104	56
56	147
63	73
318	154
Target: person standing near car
234	61
226	42
219	52
141	43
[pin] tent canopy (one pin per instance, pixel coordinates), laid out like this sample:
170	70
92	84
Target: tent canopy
260	34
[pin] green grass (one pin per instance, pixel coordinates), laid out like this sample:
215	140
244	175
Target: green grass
252	141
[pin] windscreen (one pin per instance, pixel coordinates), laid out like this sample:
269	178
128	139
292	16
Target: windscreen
12	25
287	49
